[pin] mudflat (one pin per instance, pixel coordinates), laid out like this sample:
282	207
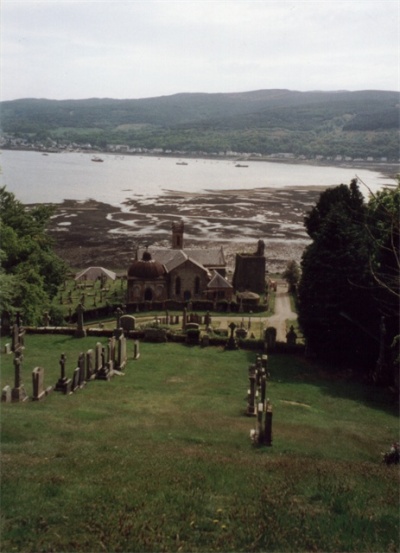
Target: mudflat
95	233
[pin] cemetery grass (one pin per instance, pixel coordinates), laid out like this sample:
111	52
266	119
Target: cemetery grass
161	460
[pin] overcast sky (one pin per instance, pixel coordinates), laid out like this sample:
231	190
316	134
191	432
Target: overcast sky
141	48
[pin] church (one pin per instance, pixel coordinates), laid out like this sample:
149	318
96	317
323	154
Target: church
178	273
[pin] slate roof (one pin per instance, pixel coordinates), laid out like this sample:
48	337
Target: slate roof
213	257
218	281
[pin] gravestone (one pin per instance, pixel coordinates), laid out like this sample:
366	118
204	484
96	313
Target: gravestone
207	319
80	331
291	337
7	349
82	372
111	351
38	384
121	353
97	358
231	344
128	323
6	394
118	313
75	380
136	352
104	372
251	392
192	333
90	371
270	338
18	393
63	384
268	426
205	340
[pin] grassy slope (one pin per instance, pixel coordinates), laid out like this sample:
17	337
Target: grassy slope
160	459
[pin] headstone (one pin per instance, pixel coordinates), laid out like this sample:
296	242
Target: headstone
231	344
7	349
63	384
192	333
15	338
18	393
90	371
251	393
118	314
128	323
80	331
6	394
111	352
82	372
104	372
38	384
205	340
268	426
136	352
291	337
97	358
75	380
270	338
121	353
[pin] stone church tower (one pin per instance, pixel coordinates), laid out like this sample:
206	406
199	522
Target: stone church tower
177	235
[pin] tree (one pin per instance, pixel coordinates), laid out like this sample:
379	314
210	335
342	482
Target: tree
292	275
31	272
336	312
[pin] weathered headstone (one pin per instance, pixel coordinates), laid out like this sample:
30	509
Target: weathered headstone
136	352
80	331
7	349
270	337
82	372
75	380
6	394
205	340
231	344
104	372
128	323
268	426
63	384
192	333
38	384
121	353
18	393
291	337
251	393
111	352
98	359
90	371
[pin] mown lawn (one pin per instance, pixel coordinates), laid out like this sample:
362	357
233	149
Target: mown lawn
161	460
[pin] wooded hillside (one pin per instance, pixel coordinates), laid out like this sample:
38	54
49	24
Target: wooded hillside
357	124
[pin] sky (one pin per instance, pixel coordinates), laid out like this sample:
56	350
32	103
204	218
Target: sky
72	49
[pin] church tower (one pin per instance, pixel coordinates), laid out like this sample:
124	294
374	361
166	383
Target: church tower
177	235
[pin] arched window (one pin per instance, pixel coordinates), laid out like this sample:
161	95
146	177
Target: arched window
178	286
197	286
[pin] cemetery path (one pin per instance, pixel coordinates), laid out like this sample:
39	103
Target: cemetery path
283	312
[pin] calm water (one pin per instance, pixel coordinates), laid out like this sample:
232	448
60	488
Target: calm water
37	178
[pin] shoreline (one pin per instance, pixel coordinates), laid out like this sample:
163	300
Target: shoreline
388	169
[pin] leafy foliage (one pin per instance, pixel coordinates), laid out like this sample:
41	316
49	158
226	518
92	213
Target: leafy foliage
350	275
30	272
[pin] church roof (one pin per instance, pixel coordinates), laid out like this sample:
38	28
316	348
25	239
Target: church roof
218	281
170	258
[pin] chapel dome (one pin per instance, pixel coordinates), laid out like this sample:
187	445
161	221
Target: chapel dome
146	268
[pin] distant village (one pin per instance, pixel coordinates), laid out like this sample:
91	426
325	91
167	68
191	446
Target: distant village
53	146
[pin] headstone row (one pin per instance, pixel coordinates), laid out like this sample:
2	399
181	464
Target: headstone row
101	364
257	403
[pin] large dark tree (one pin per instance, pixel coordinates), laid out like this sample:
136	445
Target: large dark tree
30	271
336	312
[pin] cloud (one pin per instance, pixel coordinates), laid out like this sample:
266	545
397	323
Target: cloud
61	49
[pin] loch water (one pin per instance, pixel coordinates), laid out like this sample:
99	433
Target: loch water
35	177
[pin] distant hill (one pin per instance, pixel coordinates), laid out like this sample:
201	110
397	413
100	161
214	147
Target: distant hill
359	124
